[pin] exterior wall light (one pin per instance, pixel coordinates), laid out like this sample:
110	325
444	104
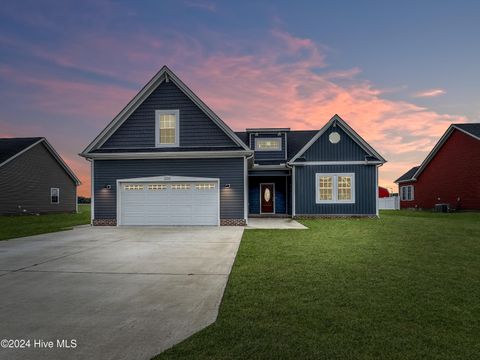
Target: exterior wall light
108	187
227	186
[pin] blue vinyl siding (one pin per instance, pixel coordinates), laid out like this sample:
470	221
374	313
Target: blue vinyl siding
228	170
365	190
281	193
268	156
196	128
345	150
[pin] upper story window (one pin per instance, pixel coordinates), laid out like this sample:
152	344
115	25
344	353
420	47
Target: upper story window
268	144
406	193
335	188
167	128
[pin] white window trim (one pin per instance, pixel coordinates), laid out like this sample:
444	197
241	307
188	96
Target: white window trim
402	194
279	139
335	188
158	113
51	195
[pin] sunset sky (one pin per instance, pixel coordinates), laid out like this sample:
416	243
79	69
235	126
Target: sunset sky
398	72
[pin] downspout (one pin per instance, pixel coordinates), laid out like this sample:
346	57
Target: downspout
245	188
289	166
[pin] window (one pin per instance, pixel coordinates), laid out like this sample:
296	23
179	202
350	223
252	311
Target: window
335	188
181	186
157	187
406	193
268	144
167	128
205	186
54	195
133	187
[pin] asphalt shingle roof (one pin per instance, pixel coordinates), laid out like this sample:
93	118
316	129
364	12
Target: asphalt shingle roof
408	175
473	129
12	146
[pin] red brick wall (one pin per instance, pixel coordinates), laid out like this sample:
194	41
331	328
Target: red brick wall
453	176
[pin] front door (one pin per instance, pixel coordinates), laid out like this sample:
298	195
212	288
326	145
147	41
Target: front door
267	198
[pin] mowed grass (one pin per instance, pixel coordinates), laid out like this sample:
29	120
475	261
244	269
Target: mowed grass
406	286
25	225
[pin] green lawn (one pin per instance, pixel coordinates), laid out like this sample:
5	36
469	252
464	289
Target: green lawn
406	286
25	225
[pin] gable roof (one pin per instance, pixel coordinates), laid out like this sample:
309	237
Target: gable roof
10	148
165	74
408	175
357	138
471	129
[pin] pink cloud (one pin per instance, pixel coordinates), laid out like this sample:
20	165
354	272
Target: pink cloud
430	93
284	82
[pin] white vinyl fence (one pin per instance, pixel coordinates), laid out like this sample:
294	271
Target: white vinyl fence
389	203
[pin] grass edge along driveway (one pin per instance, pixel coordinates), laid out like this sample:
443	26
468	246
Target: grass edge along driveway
405	286
26	225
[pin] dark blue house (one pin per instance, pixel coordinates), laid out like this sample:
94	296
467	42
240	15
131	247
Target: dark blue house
168	159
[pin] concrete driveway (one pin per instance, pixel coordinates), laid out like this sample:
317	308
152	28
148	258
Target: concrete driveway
120	293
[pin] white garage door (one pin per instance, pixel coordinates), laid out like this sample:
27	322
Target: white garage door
169	203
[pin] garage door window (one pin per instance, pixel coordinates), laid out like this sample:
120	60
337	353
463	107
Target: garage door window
180	186
133	187
207	186
157	187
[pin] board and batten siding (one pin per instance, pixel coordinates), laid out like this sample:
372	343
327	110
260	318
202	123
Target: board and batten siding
228	170
25	184
196	128
365	190
345	150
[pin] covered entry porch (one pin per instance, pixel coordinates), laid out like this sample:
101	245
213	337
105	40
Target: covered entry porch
269	194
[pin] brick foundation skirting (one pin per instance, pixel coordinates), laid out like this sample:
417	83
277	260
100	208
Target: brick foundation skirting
223	222
233	222
104	222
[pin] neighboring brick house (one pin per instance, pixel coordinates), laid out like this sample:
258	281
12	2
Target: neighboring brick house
449	175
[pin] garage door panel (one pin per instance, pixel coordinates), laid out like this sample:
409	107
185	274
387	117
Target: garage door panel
169	203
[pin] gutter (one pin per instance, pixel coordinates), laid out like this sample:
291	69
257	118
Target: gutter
168	155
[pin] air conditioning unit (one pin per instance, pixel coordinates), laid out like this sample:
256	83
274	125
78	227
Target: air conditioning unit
442	208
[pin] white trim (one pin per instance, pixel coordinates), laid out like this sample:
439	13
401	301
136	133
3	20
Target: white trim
345	127
245	190
376	192
412	192
58	195
293	192
169	155
143	94
306	163
158	113
268	139
165	178
92	191
273	197
76	198
334	177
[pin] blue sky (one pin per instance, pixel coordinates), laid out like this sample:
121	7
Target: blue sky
398	72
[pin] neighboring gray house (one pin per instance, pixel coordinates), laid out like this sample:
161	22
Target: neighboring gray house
167	159
34	178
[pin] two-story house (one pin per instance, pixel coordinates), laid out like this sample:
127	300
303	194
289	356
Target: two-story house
168	159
